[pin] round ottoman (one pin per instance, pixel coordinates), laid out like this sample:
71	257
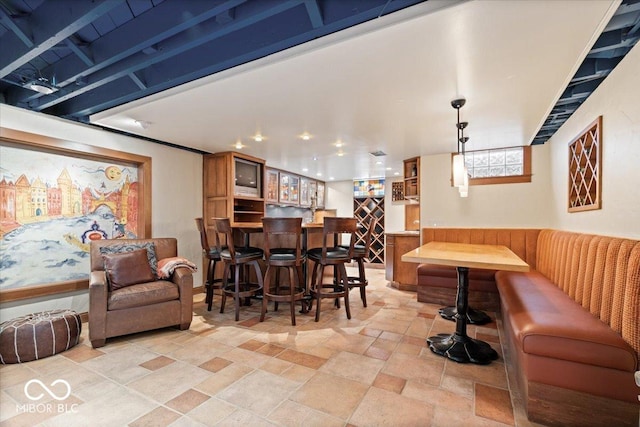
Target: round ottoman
38	335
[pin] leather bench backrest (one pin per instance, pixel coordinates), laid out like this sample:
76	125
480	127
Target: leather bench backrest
522	241
600	273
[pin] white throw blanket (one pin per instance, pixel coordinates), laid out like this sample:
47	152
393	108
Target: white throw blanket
166	266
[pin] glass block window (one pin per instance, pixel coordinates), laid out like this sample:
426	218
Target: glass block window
500	165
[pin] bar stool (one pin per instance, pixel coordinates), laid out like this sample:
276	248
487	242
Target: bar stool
360	253
212	254
278	258
331	254
245	256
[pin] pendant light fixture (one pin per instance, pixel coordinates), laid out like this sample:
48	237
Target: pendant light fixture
460	174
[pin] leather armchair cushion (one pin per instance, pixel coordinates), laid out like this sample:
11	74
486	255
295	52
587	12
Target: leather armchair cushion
129	247
143	294
127	268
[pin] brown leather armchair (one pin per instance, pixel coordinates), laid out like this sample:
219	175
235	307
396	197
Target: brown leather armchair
152	304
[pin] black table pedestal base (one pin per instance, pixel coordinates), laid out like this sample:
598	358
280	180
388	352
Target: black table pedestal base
474	317
462	349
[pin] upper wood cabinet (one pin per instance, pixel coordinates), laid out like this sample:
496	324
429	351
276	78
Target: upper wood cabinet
230	190
412	178
412	194
285	188
272	185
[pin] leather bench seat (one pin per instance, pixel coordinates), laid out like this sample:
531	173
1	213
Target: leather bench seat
547	322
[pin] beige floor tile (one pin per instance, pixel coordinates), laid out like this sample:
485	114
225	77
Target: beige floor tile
249	358
244	418
170	381
211	412
259	392
331	394
102	410
438	396
199	350
222	379
354	367
292	414
122	365
159	417
416	368
354	343
385	408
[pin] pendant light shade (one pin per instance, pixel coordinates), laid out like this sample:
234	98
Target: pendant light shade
459	172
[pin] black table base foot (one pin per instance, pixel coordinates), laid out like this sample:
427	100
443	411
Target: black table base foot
474	317
462	349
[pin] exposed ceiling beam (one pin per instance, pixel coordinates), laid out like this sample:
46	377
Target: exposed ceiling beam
184	41
51	24
313	9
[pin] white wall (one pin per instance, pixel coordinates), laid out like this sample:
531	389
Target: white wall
617	99
501	205
176	193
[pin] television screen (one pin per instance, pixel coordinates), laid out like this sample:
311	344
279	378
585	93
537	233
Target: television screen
246	174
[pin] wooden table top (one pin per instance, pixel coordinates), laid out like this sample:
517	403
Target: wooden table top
493	257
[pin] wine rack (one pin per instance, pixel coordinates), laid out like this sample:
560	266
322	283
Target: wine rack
365	210
585	178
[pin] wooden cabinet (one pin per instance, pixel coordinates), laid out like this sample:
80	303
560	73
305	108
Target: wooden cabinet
401	275
221	198
412	194
412	178
272	185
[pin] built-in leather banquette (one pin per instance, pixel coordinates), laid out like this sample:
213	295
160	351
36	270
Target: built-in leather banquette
573	328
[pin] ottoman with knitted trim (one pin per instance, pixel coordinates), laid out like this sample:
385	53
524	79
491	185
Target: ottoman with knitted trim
38	335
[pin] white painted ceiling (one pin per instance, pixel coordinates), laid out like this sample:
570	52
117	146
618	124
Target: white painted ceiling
384	85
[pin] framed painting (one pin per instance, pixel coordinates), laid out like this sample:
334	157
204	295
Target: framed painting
56	196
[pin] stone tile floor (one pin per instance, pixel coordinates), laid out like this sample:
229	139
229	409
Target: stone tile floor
372	370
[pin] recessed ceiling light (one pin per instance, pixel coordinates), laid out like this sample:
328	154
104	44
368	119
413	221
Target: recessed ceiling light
378	162
238	145
396	173
338	143
340	153
319	174
258	138
331	178
305	136
389	169
305	169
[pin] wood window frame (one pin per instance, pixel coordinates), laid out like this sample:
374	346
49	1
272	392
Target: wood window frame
525	177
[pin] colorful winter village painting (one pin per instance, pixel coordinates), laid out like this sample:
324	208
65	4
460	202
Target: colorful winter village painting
52	206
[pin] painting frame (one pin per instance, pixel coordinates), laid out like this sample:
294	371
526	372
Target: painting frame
44	144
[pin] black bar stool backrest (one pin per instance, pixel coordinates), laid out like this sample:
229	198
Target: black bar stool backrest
282	226
334	226
222	227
